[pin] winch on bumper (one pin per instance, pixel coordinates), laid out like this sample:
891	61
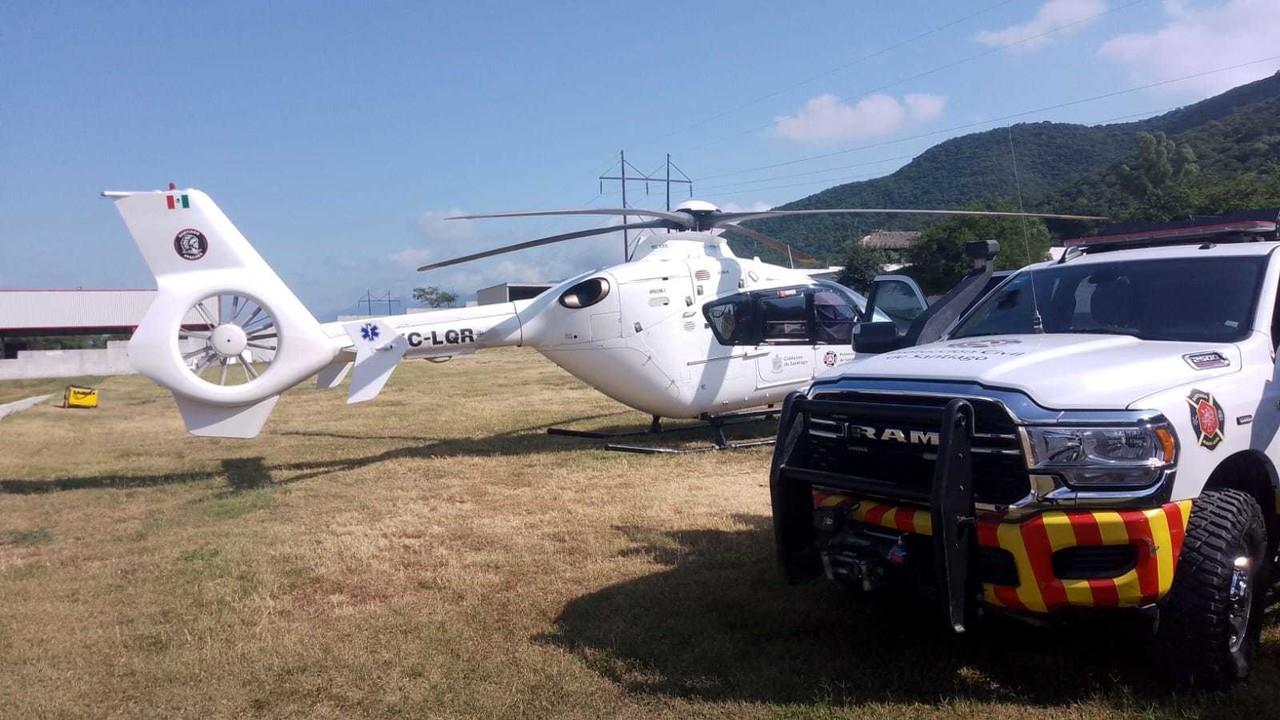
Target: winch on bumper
896	523
1053	560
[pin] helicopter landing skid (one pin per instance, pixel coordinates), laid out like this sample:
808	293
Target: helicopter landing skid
716	422
647	450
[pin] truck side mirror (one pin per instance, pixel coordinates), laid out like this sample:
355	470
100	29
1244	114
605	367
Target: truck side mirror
982	252
876	337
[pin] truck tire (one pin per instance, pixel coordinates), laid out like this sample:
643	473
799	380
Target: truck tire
1211	620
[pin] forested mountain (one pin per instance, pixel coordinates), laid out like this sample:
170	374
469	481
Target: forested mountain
1062	168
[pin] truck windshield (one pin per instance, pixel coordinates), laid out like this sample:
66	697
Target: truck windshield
1186	299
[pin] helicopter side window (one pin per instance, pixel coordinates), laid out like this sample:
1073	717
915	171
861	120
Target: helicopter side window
785	317
733	321
833	318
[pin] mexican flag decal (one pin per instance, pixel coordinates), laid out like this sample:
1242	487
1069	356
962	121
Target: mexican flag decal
177	202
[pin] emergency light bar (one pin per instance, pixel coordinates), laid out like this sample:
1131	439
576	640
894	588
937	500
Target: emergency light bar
1176	235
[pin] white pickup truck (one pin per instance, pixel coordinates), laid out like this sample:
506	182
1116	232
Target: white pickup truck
1097	432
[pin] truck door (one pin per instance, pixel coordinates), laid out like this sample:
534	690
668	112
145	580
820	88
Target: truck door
899	297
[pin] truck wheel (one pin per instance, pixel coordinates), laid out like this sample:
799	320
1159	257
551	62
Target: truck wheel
1211	619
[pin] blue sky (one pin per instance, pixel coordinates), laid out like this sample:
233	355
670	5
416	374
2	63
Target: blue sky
337	136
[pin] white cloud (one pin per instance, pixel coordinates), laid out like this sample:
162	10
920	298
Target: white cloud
757	206
1067	17
923	108
1196	39
411	257
826	117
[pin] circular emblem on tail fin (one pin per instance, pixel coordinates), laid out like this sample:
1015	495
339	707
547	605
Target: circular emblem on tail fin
190	244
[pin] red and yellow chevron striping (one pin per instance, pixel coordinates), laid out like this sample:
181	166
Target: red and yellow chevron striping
1155	533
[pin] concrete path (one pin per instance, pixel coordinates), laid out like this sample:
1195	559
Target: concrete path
16	407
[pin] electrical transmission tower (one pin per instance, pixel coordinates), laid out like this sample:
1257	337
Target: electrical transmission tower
623	178
369	299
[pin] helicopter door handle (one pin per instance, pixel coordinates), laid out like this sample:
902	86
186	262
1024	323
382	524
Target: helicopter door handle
743	356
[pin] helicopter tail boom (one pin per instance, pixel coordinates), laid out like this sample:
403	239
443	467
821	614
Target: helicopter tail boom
381	343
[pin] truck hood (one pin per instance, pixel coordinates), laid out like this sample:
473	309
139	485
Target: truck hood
1059	371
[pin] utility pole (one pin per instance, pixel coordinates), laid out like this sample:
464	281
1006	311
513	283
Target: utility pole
622	162
645	178
368	300
389	299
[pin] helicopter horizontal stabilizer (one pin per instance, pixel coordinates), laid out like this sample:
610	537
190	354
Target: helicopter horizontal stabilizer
332	375
378	350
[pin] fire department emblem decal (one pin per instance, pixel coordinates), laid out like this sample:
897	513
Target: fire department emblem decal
1207	419
829	359
190	244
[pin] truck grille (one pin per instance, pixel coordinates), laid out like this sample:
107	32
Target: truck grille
888	444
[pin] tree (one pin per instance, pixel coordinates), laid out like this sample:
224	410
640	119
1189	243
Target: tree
1159	180
432	296
861	265
938	261
1242	192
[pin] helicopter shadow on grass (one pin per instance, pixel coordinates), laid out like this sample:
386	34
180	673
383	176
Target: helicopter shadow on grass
248	473
719	624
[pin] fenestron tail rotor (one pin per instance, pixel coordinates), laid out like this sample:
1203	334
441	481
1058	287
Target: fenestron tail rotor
239	332
703	216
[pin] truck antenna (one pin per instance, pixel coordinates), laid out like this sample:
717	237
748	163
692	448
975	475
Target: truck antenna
1037	322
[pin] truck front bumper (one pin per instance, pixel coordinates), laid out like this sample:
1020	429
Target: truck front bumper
1071	558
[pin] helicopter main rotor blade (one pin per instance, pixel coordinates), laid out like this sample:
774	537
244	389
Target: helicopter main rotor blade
765	239
652	224
722	218
682	221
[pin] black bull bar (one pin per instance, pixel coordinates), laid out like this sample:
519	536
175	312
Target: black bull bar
950	499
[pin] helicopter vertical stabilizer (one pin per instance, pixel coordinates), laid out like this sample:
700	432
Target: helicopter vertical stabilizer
225	335
379	349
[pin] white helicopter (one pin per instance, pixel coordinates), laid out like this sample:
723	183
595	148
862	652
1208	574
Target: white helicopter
682	329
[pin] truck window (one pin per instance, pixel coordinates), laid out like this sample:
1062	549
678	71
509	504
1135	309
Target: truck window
1275	324
897	300
1200	299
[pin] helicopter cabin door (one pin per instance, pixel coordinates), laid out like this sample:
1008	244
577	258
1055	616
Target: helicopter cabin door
785	355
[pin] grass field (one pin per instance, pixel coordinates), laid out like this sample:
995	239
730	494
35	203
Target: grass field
436	554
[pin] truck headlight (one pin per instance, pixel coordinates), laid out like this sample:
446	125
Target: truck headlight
1103	457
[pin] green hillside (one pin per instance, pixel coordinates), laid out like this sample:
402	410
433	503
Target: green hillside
1063	168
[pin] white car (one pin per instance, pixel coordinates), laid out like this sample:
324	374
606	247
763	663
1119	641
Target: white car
1097	432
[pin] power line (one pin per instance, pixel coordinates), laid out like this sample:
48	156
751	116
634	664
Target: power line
865	176
837	68
946	66
773	178
639	176
1002	118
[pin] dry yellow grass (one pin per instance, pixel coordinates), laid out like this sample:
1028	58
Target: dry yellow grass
436	554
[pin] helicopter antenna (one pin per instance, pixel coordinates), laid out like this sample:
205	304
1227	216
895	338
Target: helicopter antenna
623	178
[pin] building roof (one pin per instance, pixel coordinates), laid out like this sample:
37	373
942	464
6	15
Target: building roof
77	312
890	239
